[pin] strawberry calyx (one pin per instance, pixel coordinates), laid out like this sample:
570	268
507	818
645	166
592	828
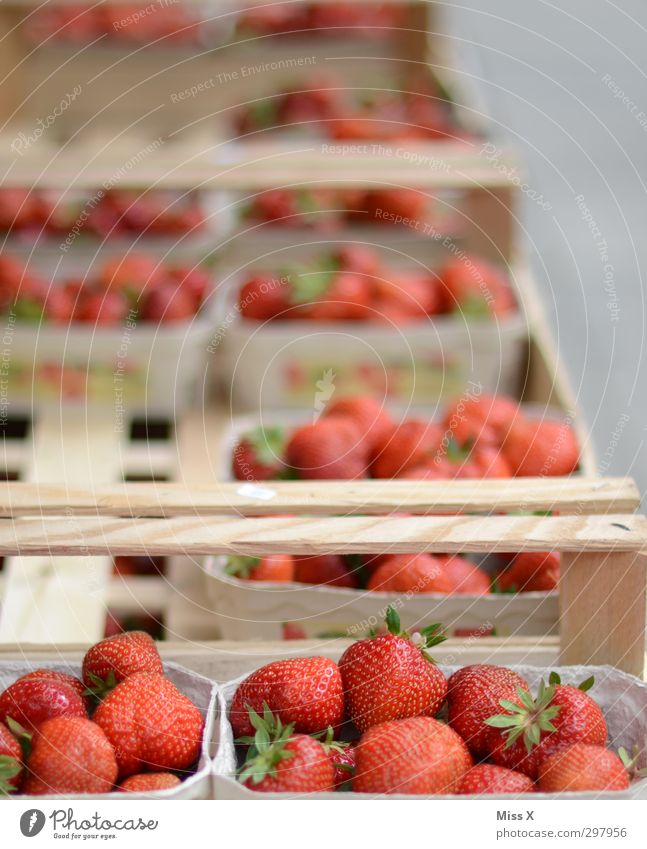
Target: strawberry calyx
528	720
101	686
312	284
240	566
22	735
267	746
630	762
9	769
327	740
584	686
424	639
268	443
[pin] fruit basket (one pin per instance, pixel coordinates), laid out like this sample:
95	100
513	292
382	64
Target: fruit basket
200	690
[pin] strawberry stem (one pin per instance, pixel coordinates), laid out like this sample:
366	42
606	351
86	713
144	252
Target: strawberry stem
529	719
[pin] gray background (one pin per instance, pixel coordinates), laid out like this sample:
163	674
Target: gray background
539	68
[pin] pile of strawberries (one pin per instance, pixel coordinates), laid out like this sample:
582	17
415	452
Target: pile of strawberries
386	720
114	212
137	287
482	436
123	727
328	210
326	107
354	284
403	573
365	20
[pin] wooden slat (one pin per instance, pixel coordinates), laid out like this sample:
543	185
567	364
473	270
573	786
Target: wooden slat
573	495
348	534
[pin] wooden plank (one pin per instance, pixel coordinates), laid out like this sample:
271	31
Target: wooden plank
570	495
200	535
602	609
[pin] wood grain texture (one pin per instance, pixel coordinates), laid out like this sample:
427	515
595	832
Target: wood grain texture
348	534
188	497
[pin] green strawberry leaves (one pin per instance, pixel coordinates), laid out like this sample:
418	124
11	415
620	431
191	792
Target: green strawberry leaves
425	639
266	747
9	769
101	687
240	566
268	443
21	734
584	686
630	762
529	719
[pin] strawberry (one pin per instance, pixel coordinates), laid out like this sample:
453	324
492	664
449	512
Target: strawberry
582	767
530	730
359	259
133	273
417	755
150	724
32	700
293	631
329	569
112	660
476	288
482	418
262	297
541	448
386	206
277	568
410	444
10	761
372	419
331	295
487	778
404	573
306	692
280	761
473	696
342	757
465	576
70	755
102	308
259	454
490	462
391	676
168	302
534	571
149	782
331	448
65	677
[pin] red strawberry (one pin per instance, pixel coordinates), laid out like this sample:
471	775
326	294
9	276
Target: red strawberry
358	258
476	288
413	443
490	462
102	308
151	725
372	419
280	761
65	677
277	568
263	297
582	767
541	448
331	296
474	695
149	782
384	206
342	757
70	755
486	418
404	573
331	448
168	302
535	571
10	761
133	273
487	778
112	660
465	576
329	569
304	691
391	676
530	730
418	755
259	454
30	701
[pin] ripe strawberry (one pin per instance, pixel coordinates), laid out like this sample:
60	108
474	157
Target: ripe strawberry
490	462
541	448
412	443
391	676
70	755
530	730
329	569
30	701
263	297
259	454
487	778
342	757
359	259
331	295
373	420
133	273
149	782
331	448
403	573
304	691
277	568
476	288
112	660
466	578
102	308
65	677
293	631
151	725
384	206
168	302
474	695
418	755
10	761
280	761
582	767
534	571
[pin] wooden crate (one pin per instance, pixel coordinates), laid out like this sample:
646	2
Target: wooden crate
603	545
